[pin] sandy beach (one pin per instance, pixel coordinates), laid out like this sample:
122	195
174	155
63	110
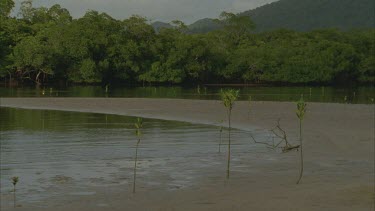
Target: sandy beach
338	147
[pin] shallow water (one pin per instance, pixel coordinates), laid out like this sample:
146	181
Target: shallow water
57	153
364	95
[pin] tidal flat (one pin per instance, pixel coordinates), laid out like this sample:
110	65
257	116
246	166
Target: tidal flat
181	168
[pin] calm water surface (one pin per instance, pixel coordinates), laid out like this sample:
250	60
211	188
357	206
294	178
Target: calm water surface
59	153
364	95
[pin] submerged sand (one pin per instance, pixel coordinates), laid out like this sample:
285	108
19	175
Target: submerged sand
338	147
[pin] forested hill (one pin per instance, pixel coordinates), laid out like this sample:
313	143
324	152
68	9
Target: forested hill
304	15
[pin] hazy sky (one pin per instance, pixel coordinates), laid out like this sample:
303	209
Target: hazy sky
156	10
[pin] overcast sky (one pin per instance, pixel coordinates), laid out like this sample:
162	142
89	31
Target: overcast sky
156	10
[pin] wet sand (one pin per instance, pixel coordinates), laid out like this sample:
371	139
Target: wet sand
338	147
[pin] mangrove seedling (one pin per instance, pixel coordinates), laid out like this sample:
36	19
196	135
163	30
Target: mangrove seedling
138	126
228	98
301	110
14	182
221	133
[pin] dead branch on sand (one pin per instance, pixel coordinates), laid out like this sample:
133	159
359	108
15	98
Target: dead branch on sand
280	133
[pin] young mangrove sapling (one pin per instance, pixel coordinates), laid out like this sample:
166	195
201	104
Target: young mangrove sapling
221	133
301	110
14	182
229	97
138	126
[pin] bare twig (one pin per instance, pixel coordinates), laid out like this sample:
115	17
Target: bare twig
265	143
280	133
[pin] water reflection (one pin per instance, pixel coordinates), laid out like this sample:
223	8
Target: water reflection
57	153
314	94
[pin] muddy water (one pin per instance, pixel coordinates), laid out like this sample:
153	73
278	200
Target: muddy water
58	153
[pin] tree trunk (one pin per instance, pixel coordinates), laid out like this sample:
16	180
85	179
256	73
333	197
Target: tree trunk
37	78
10	78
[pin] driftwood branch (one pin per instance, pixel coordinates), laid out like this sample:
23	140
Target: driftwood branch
287	149
280	133
257	142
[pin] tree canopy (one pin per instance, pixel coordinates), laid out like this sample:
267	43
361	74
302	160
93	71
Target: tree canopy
46	44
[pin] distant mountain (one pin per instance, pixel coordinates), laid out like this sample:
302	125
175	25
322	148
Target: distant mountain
203	26
305	15
159	25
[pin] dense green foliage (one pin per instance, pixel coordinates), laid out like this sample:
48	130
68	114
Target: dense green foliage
47	44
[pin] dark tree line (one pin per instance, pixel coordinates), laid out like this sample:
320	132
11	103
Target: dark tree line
43	45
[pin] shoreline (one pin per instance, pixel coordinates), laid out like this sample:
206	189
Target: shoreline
338	147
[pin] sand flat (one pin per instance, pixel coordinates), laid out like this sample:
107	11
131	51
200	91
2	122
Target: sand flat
339	155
